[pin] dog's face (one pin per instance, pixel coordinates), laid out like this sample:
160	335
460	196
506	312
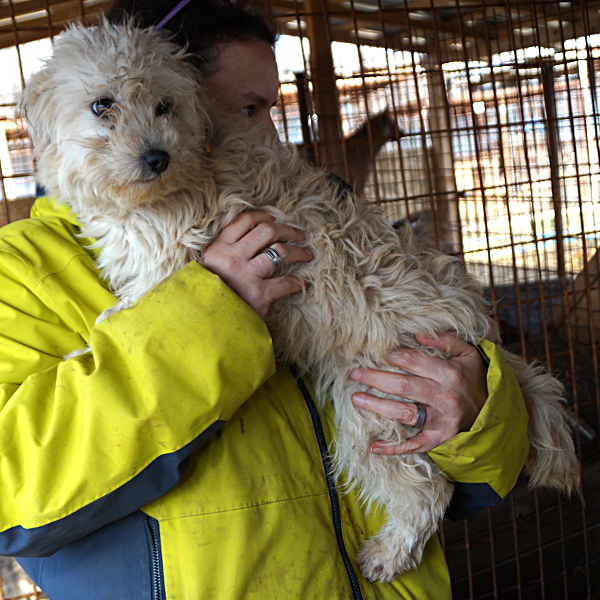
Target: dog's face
116	115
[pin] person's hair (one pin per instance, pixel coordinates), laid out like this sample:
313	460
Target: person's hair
204	26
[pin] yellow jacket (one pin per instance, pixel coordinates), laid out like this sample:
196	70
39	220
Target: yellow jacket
176	459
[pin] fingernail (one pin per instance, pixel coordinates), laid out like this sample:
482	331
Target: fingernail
359	399
355	375
375	450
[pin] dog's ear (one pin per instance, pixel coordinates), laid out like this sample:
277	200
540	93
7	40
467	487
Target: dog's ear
36	107
39	106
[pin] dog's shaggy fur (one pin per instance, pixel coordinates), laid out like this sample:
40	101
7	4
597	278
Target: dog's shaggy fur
369	289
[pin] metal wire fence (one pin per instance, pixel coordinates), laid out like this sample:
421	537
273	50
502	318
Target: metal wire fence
477	122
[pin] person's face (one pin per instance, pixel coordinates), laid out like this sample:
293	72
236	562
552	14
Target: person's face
246	80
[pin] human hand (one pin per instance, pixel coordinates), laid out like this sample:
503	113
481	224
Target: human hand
237	257
452	391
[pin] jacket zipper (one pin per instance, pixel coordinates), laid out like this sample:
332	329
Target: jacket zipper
333	497
156	566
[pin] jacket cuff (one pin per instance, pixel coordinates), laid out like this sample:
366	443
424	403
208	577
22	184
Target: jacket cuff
494	451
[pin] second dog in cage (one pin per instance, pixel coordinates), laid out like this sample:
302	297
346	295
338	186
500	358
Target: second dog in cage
153	177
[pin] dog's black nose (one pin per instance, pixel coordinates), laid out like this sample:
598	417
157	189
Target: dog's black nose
158	160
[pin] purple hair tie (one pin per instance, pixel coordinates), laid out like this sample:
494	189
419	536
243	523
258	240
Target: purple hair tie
172	13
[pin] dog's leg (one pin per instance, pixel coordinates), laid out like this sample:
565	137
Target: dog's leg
413	491
413	516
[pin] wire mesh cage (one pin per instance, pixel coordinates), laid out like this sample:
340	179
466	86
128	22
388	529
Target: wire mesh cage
476	123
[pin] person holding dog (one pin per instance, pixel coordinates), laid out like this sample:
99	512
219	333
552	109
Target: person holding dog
232	46
176	459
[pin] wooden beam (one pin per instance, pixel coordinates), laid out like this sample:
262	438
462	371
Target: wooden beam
414	5
447	214
326	103
62	13
554	157
14	210
555	23
393	42
395	17
22	9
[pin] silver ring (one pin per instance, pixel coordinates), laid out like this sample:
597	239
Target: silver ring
275	259
421	415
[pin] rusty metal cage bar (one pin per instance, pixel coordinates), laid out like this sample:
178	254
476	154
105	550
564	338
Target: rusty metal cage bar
477	124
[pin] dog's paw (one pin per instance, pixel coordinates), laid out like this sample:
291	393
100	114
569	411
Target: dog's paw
378	563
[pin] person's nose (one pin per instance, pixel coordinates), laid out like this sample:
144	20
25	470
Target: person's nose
265	116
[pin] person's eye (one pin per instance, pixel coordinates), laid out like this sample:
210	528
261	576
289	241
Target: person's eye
249	110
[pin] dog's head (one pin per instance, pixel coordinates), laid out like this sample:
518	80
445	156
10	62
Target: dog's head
116	115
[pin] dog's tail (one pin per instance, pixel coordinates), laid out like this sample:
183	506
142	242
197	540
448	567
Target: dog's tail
552	461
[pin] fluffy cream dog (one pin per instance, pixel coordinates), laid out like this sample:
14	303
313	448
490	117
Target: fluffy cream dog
121	128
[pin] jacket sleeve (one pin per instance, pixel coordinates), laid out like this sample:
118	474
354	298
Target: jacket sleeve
88	440
484	463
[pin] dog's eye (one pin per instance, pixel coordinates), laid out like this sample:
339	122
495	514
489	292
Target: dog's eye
162	108
101	105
